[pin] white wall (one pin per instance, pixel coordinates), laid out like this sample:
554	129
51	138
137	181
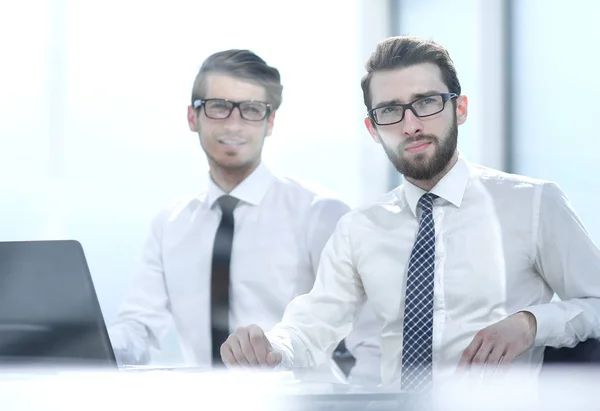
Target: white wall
557	105
93	132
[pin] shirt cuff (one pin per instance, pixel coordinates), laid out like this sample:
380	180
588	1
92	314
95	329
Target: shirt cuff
549	327
283	349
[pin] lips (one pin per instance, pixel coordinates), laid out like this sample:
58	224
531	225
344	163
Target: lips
418	146
231	142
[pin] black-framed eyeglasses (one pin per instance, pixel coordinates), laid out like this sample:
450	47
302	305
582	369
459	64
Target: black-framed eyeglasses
220	109
423	107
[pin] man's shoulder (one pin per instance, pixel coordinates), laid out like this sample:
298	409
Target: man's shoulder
383	204
503	179
516	188
302	185
309	192
179	207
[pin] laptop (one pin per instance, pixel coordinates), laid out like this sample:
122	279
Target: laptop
49	311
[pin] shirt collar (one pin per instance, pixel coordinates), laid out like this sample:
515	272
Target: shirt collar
251	190
451	187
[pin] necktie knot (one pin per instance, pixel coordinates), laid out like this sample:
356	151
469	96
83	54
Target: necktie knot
228	204
426	202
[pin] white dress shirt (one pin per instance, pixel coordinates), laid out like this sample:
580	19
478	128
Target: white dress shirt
503	243
281	227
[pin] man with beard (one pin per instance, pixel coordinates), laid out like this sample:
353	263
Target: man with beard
240	252
460	263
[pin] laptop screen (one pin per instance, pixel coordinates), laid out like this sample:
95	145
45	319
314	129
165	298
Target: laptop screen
49	311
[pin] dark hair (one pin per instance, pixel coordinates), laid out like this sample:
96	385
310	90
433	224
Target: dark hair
243	64
404	51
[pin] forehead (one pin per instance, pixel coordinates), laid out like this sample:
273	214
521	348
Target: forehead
403	84
232	88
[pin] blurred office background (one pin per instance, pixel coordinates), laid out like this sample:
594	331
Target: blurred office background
93	95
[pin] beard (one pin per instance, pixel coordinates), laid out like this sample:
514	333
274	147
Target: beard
420	167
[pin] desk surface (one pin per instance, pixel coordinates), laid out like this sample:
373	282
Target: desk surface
161	389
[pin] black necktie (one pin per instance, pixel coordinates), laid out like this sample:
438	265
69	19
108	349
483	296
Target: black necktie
220	276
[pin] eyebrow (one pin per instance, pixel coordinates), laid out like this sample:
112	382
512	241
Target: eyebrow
414	97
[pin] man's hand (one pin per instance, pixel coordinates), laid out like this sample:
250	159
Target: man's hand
500	343
249	346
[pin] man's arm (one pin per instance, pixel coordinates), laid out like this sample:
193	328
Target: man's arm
313	324
321	222
145	315
569	261
364	341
